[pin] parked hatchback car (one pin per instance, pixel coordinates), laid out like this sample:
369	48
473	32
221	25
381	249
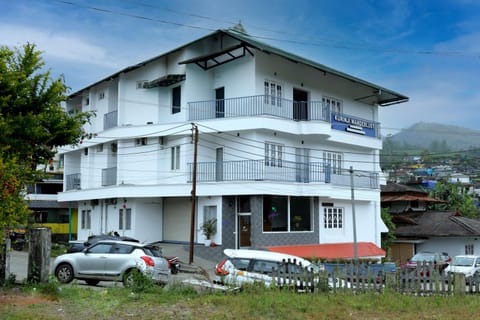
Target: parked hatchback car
112	261
469	265
244	266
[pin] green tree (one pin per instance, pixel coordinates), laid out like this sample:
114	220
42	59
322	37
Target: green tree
32	124
32	120
388	237
455	199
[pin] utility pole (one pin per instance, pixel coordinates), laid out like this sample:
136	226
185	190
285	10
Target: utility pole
194	191
355	252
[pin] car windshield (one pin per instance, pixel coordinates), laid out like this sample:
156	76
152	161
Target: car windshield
423	257
463	261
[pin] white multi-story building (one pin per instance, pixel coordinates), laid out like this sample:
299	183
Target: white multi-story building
277	136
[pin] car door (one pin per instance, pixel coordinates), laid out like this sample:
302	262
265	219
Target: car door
92	261
118	260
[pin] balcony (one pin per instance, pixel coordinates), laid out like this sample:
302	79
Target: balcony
286	171
266	105
110	120
109	176
73	181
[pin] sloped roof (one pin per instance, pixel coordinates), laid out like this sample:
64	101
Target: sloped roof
436	224
392	192
378	94
331	251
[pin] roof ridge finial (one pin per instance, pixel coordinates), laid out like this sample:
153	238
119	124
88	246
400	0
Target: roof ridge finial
239	27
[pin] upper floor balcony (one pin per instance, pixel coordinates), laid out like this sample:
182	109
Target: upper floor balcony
286	171
72	181
109	176
281	108
110	120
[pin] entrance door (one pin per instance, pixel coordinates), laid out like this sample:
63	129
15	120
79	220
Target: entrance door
300	104
244	230
302	165
219	165
220	102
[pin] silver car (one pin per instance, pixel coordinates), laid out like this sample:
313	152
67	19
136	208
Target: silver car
112	261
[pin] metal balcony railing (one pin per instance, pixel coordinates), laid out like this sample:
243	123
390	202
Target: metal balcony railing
266	105
258	105
110	120
109	176
73	181
284	171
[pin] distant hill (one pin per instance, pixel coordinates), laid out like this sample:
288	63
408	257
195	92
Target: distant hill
433	135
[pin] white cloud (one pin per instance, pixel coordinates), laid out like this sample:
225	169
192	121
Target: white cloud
57	45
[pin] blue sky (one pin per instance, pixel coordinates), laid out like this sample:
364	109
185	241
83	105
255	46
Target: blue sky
427	50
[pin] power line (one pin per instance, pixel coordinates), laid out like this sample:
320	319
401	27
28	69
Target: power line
327	43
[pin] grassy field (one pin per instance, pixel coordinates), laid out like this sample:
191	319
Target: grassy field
52	301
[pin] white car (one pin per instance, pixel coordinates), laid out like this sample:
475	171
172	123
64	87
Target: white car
111	260
249	266
469	265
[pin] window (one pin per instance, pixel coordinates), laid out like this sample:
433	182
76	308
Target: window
141	141
113	147
86	219
85	151
333	160
300	217
175	157
469	249
101	96
333	104
176	99
273	93
282	213
125	219
100	147
40	216
273	154
333	218
141	84
87	101
101	248
209	213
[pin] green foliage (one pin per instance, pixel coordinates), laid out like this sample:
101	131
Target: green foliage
209	228
32	121
13	209
389	237
455	199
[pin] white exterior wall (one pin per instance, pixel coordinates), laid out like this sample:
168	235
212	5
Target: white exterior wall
147	219
452	245
367	218
201	203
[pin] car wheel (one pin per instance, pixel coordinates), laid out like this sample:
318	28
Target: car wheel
130	277
64	273
92	282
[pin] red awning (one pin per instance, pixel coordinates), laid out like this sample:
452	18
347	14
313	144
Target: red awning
331	250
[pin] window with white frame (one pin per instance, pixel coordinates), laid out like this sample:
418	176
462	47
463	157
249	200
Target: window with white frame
334	160
333	218
101	95
125	219
209	213
469	248
273	93
335	105
100	147
176	99
273	154
175	157
86	219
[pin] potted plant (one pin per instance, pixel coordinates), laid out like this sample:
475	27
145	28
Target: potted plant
209	228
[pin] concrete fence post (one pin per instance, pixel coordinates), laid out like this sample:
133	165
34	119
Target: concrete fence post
39	254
